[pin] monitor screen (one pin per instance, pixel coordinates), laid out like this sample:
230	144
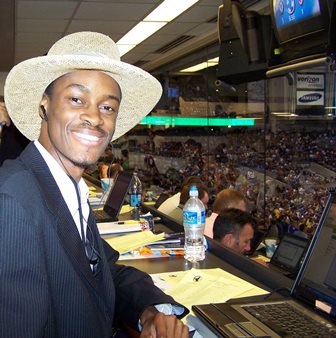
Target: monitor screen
294	11
316	281
297	18
173	92
289	252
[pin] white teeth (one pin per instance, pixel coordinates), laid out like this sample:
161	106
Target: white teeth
89	137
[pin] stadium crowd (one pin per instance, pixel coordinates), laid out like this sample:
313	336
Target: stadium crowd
291	194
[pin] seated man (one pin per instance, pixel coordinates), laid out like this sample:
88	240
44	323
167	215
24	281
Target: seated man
226	198
173	202
59	278
234	229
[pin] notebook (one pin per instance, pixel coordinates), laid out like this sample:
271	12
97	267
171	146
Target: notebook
289	254
115	199
163	196
313	296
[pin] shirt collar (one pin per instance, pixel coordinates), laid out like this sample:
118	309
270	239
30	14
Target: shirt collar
63	181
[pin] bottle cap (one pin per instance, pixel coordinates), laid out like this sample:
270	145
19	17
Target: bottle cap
193	191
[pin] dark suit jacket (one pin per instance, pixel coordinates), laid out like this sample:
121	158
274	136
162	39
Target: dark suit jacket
12	143
47	288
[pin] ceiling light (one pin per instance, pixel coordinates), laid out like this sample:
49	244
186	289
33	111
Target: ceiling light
200	66
169	10
140	32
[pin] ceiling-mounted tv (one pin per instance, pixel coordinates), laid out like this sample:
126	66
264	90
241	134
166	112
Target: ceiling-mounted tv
301	27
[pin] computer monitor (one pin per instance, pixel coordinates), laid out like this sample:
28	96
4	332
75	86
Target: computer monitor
302	27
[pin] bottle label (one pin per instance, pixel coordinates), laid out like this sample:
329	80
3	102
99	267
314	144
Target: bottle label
193	217
203	217
135	200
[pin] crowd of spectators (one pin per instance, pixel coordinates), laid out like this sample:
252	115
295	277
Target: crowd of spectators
294	195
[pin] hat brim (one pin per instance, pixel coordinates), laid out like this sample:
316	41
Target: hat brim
27	81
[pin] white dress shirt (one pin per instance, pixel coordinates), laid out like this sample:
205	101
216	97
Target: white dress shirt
67	188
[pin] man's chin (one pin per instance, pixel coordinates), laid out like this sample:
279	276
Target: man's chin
84	164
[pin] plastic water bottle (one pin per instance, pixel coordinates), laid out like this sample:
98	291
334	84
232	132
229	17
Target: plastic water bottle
193	222
135	194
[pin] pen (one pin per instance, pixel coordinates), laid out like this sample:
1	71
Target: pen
127	222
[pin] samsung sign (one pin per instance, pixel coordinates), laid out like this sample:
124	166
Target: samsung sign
312	98
310	81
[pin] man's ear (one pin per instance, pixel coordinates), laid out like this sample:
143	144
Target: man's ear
227	240
43	107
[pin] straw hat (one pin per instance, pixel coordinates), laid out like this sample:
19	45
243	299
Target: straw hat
26	82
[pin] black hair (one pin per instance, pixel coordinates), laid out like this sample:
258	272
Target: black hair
231	221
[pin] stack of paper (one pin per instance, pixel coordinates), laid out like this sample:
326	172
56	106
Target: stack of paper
110	228
133	241
204	286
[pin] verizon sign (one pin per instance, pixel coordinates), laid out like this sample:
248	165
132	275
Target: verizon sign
310	81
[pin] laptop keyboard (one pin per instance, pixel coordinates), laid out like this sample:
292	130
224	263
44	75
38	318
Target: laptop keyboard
100	214
287	321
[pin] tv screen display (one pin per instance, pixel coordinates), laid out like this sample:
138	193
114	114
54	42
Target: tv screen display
293	11
297	18
173	92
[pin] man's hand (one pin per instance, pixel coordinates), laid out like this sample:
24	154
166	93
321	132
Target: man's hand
4	117
157	325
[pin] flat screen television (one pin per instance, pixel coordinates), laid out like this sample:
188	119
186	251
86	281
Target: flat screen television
301	27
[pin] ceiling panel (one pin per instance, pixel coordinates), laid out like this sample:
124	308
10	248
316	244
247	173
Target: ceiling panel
53	0
108	11
127	1
115	29
214	3
134	58
36	38
158	40
45	9
198	14
202	28
29	45
38	25
176	28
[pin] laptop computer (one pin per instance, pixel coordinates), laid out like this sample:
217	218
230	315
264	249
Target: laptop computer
115	199
311	306
289	254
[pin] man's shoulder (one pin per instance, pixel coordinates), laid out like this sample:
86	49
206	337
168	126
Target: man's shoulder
14	175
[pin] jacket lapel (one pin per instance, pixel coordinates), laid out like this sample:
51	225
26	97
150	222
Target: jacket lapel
66	227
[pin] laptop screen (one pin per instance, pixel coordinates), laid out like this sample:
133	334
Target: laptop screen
289	252
317	278
118	192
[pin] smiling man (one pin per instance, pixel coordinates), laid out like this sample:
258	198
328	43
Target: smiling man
82	110
58	278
